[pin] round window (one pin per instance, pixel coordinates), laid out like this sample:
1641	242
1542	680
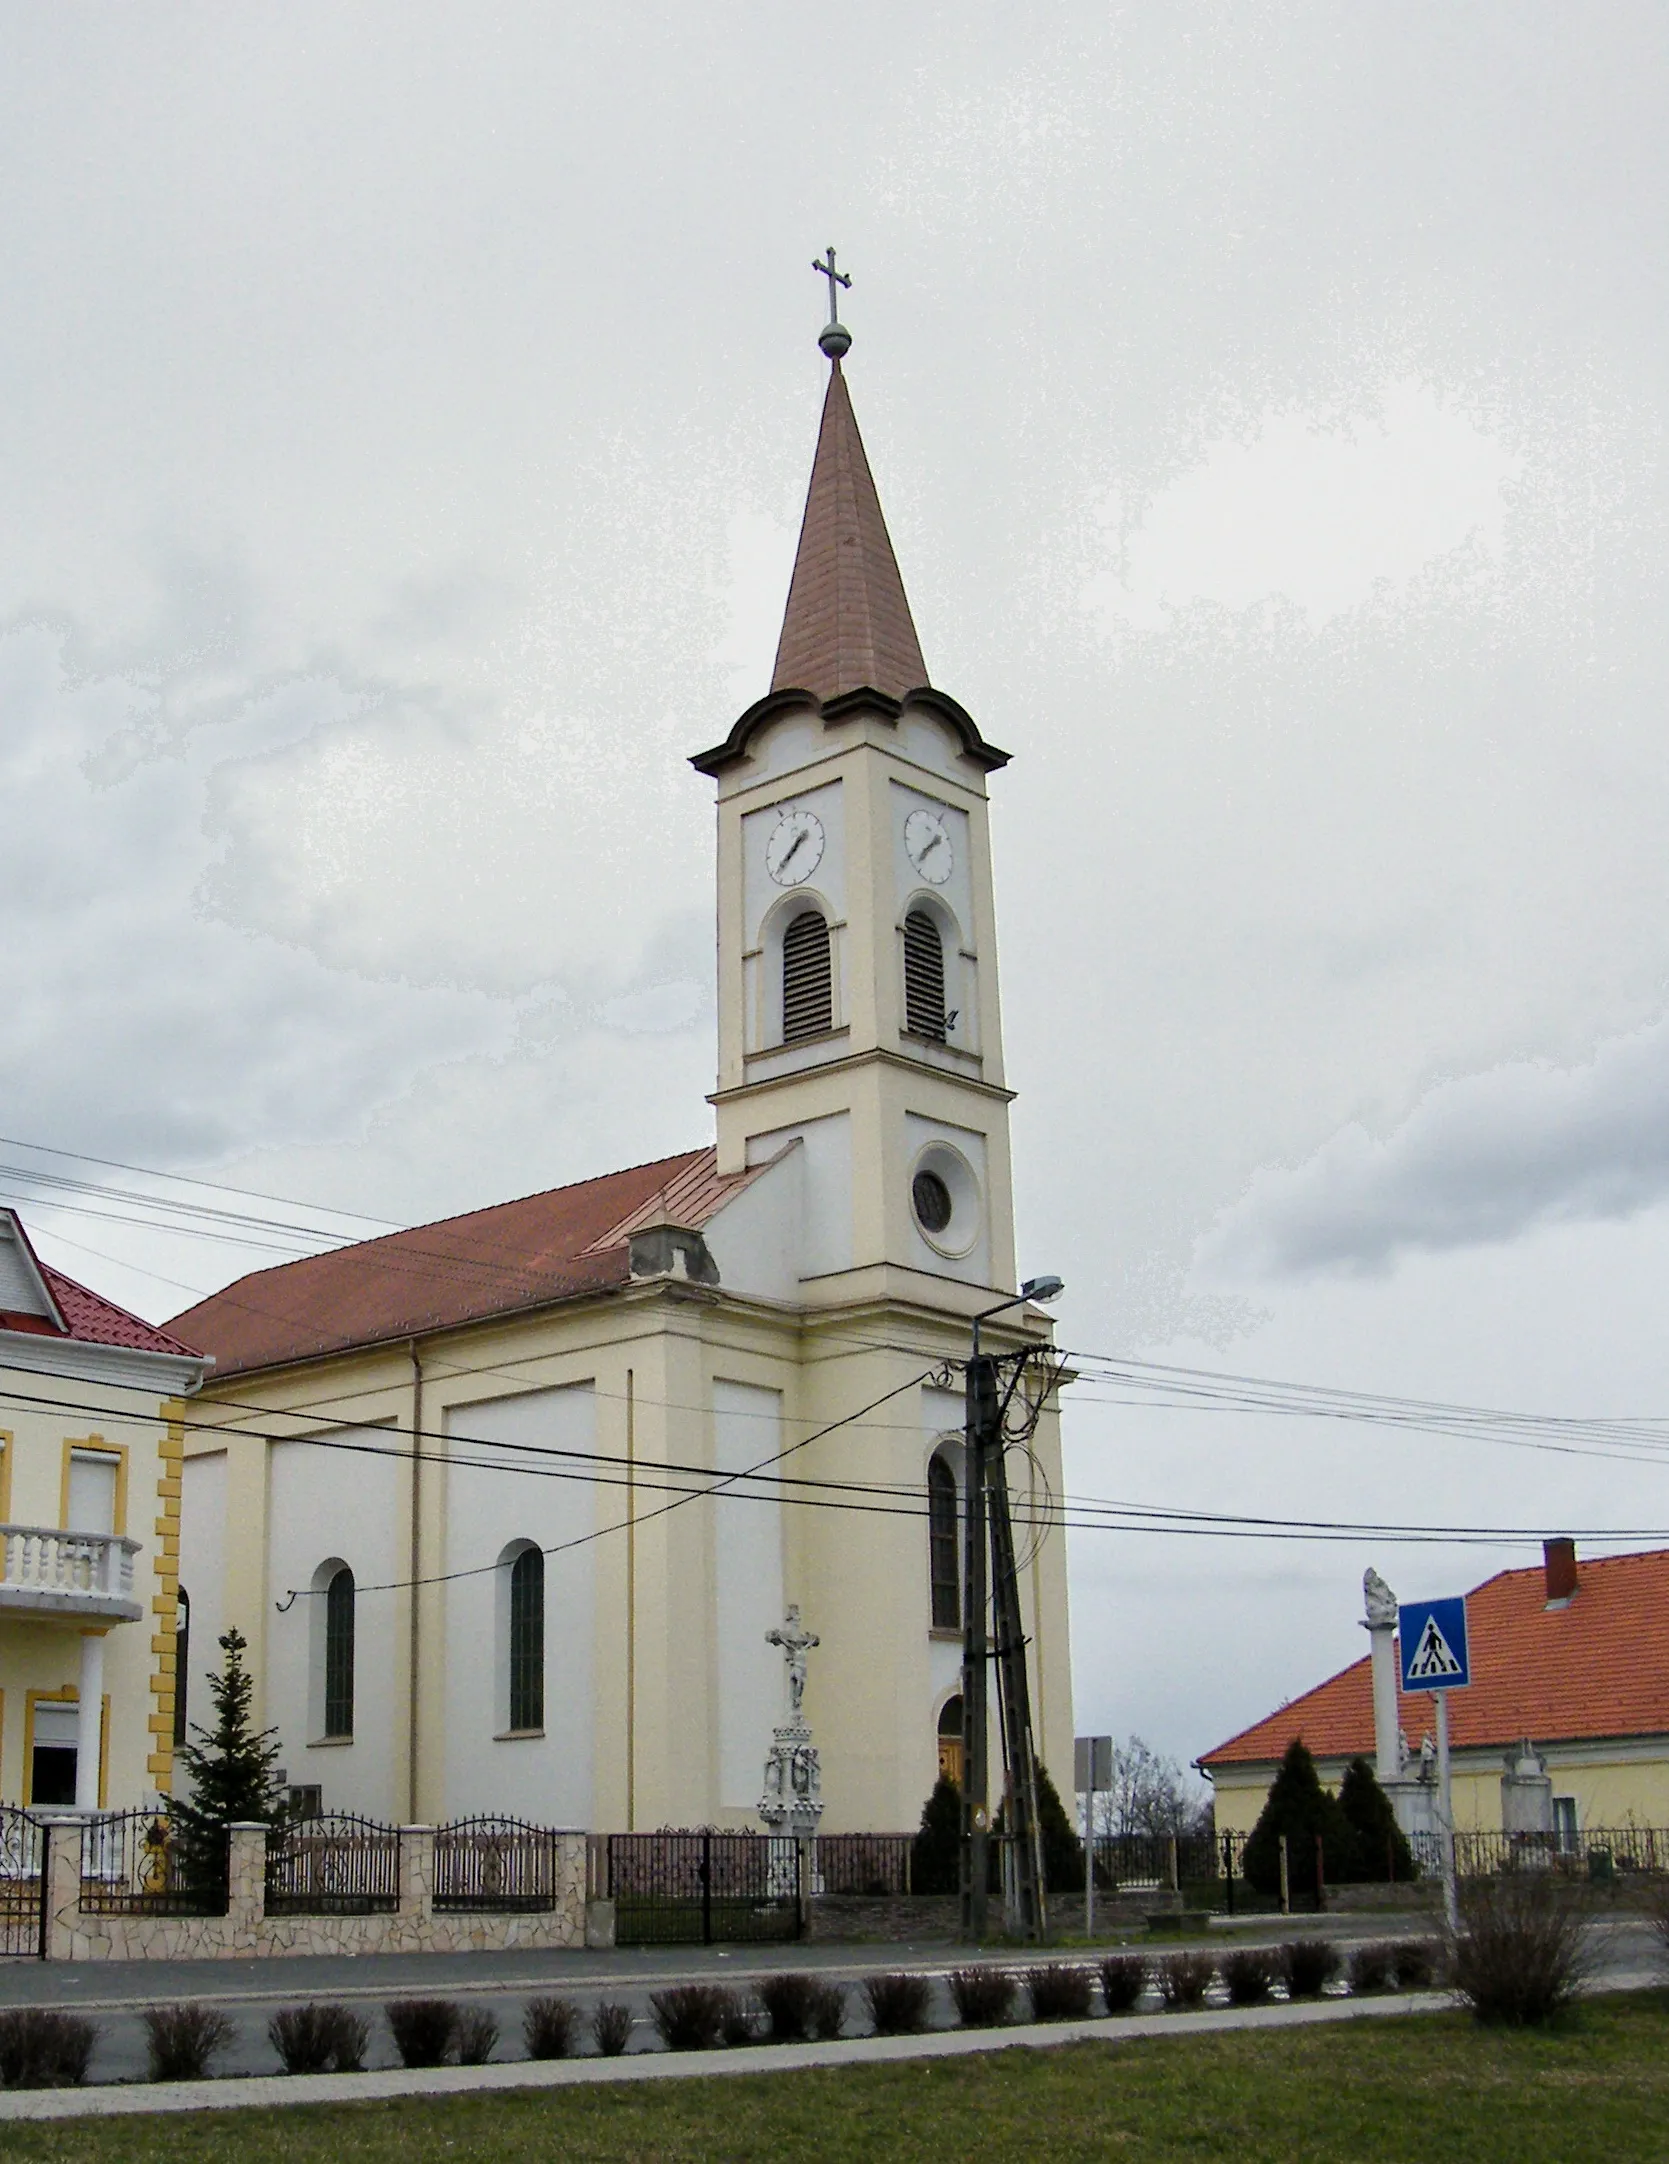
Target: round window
931	1198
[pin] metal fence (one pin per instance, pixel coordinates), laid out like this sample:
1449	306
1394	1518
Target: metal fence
701	1887
1598	1852
499	1864
1151	1862
23	1885
863	1863
333	1865
145	1863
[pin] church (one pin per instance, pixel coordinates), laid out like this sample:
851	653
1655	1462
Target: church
506	1505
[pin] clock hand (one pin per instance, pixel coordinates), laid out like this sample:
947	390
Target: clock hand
788	854
932	845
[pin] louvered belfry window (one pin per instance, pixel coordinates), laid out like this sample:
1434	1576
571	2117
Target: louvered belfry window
807	980
924	976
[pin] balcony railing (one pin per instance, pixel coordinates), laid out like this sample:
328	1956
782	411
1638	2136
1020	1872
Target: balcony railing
46	1571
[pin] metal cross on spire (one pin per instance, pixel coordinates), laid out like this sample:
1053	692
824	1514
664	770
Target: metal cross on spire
835	339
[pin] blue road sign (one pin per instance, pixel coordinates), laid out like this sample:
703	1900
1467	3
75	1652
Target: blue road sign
1432	1634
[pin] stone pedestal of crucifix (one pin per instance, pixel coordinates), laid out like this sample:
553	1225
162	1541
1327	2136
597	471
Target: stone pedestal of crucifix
792	1802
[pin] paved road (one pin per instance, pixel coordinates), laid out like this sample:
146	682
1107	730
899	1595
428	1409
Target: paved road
115	1993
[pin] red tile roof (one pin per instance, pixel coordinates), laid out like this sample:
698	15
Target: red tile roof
499	1261
94	1320
1597	1667
847	626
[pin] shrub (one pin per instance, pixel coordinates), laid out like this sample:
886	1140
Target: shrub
1058	1991
897	2004
1123	1980
316	2039
43	2048
736	2021
1370	1968
982	1997
1308	1966
1519	1956
690	2016
423	2030
936	1852
1382	1850
1184	1979
1063	1852
1299	1807
548	2028
1248	1975
1414	1964
787	2000
828	2012
477	2033
611	2027
181	2040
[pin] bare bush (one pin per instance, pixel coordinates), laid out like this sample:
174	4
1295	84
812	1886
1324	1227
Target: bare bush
690	2017
181	2040
1414	1963
315	2039
43	2047
982	1997
1123	1980
787	2002
1059	1991
738	2024
548	2028
897	2004
1520	1955
1370	1968
611	2027
1183	1979
1308	1966
1248	1975
476	2034
424	2030
828	2012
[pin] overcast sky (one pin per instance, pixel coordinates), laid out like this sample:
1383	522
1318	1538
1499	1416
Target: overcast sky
405	413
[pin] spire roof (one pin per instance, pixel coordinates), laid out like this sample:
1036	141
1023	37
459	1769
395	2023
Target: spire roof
847	626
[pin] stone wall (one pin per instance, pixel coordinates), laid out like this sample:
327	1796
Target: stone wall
78	1934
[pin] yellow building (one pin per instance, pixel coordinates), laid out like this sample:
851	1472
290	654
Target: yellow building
1564	1728
91	1435
457	1486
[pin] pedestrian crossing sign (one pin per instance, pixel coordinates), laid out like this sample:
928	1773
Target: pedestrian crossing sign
1432	1635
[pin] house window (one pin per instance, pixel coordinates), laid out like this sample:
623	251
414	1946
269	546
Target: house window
527	1641
944	1569
1564	1820
807	980
92	1492
950	1740
182	1663
339	1654
53	1759
924	977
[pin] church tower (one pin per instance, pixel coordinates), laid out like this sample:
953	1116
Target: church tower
857	955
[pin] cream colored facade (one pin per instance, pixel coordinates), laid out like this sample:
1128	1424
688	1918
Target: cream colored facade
91	1438
829	1304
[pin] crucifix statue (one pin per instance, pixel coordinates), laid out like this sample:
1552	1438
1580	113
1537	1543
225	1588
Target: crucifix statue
795	1641
835	339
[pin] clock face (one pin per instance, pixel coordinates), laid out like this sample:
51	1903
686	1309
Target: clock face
795	848
927	844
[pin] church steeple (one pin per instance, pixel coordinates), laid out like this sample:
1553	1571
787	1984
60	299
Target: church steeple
847	626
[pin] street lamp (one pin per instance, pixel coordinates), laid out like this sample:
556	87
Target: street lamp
984	1445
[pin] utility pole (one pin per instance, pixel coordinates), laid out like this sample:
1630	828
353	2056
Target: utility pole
1020	1814
983	1423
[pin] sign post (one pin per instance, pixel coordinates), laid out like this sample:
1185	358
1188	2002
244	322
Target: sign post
1092	1771
1436	1658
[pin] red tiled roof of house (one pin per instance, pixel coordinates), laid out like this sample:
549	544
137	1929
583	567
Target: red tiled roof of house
847	626
94	1320
504	1260
1598	1666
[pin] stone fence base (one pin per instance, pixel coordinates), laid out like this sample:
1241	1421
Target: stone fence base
78	1933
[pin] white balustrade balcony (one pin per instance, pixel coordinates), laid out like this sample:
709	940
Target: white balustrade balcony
48	1572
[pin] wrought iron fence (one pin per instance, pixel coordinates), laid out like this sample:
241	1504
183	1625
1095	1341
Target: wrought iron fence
146	1863
1154	1862
333	1865
702	1887
863	1863
501	1864
1597	1852
23	1884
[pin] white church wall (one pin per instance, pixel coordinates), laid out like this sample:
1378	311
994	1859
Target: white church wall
324	1504
826	1174
755	1239
203	1572
931	743
747	1564
959	1156
546	1778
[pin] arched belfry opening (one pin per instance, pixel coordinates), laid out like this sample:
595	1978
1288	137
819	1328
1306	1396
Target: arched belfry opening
924	976
807	977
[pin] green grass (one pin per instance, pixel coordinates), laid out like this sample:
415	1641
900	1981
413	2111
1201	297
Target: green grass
1392	2090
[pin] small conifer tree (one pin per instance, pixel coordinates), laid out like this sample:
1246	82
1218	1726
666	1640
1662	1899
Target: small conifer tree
1063	1852
1382	1850
231	1770
1299	1807
936	1853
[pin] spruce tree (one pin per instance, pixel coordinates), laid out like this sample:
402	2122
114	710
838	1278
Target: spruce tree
1299	1807
936	1853
1382	1850
231	1771
1063	1852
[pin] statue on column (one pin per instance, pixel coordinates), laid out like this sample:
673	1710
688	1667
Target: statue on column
792	1802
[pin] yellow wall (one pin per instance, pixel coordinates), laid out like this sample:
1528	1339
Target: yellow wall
1613	1784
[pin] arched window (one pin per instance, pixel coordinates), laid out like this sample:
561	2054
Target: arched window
339	1654
950	1740
807	981
182	1662
924	976
527	1640
943	1562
